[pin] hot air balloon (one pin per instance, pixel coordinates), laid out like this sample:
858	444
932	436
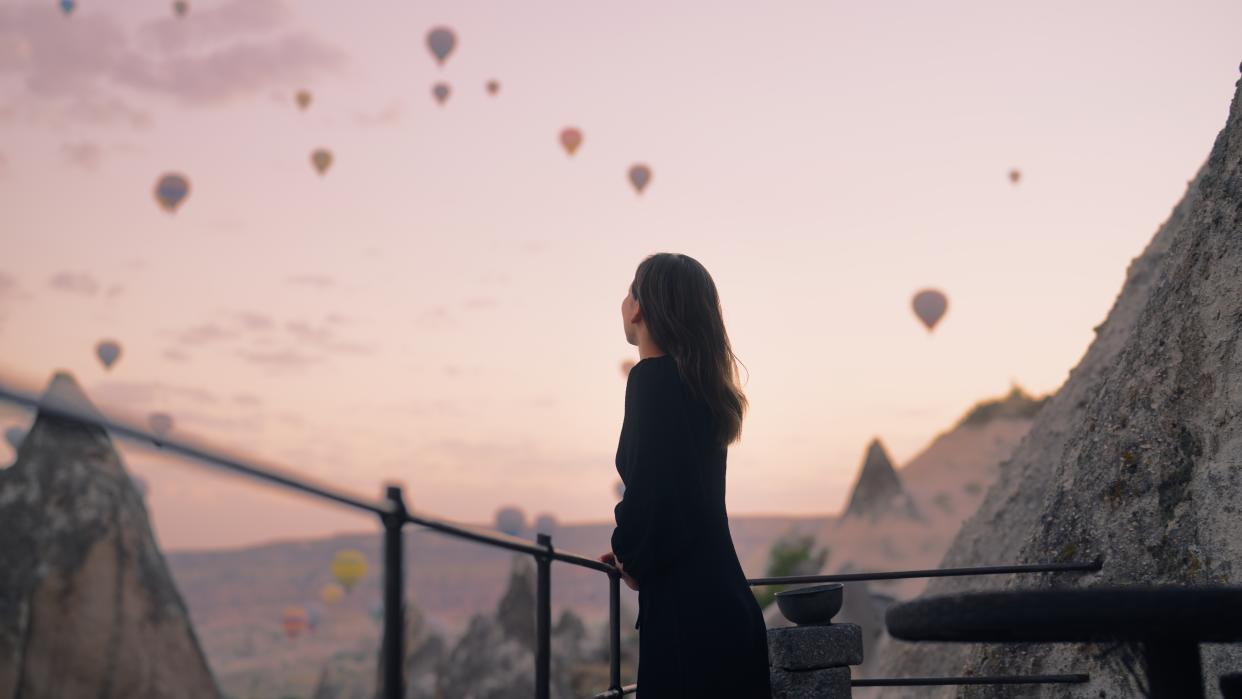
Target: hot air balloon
108	351
331	593
161	423
14	436
295	621
1015	175
348	567
510	520
626	365
67	6
545	524
321	158
929	306
640	175
180	7
571	138
493	87
441	41
441	92
170	190
303	98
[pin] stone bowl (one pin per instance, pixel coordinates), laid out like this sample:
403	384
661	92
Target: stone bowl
815	604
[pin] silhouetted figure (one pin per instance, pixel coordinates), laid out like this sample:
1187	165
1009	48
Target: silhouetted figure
701	631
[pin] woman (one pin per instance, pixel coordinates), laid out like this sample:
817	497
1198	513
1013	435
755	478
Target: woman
701	632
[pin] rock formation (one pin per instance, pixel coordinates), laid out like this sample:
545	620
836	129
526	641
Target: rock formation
87	606
1136	458
495	657
878	488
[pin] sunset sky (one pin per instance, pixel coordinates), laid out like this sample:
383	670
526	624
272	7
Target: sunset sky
442	308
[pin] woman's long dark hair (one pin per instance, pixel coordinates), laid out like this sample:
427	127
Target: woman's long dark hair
682	311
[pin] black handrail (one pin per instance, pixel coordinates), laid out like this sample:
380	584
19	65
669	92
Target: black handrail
393	515
1092	565
968	679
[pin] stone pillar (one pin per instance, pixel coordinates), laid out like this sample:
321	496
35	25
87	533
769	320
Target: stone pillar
812	661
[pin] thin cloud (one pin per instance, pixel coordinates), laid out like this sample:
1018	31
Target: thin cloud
435	317
173	354
84	154
74	283
323	337
204	333
69	71
145	393
391	115
231	20
321	281
251	320
279	359
479	303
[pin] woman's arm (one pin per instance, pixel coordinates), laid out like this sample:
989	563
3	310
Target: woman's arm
651	519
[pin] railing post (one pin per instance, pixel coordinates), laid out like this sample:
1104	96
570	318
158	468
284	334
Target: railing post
614	631
543	619
394	615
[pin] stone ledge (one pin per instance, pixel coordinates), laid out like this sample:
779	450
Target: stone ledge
815	647
828	683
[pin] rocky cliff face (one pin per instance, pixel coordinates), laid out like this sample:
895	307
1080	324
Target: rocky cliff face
87	606
877	490
1135	458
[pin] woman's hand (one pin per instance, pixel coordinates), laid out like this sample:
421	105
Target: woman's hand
611	559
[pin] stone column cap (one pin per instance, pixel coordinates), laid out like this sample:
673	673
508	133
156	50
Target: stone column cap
815	646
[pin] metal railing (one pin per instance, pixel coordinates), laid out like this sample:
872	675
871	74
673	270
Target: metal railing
394	515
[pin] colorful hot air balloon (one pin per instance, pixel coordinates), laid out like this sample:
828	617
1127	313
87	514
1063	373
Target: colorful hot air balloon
66	6
321	158
107	351
180	7
348	567
441	92
510	520
571	138
303	98
295	621
640	175
161	423
493	87
1015	175
929	306
14	436
170	190
626	365
331	593
441	41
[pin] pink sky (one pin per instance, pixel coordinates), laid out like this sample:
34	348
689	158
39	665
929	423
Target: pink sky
442	308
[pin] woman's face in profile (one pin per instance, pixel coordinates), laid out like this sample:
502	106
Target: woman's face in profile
628	308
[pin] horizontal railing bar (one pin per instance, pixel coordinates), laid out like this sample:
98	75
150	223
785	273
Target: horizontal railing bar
613	694
968	679
932	573
268	473
507	541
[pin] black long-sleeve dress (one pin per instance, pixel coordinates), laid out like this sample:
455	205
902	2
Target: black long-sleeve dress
701	632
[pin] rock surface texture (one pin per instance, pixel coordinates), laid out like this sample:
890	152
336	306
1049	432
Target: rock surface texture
87	606
1137	457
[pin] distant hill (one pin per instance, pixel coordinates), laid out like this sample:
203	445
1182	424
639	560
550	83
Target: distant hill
236	597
